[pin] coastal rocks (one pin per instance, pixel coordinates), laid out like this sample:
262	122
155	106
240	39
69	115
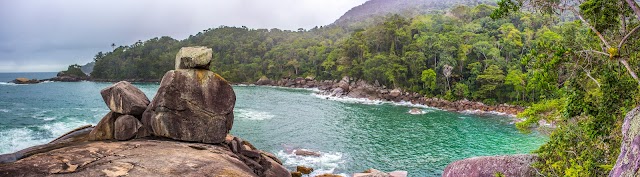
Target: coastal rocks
126	127
262	163
628	163
131	158
264	81
376	173
23	80
194	58
105	128
191	105
514	165
304	170
124	98
306	153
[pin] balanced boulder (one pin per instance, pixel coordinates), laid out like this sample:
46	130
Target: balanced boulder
126	127
191	105
124	98
194	58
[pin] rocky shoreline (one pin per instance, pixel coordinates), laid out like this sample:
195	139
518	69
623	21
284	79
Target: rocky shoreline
351	88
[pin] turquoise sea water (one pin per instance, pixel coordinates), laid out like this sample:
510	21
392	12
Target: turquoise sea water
350	136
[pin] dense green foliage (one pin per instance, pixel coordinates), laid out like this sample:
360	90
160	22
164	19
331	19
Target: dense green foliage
595	59
74	70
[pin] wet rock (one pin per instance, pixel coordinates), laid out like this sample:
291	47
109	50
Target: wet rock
513	165
126	127
105	128
304	170
125	98
628	163
302	152
25	81
296	174
191	105
415	111
194	58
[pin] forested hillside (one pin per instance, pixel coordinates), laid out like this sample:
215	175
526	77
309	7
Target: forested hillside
365	14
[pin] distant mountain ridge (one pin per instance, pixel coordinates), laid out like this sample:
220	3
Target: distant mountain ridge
373	8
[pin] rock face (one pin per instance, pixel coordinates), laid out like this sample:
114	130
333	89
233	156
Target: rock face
194	58
105	128
191	105
126	127
628	163
124	98
514	165
132	158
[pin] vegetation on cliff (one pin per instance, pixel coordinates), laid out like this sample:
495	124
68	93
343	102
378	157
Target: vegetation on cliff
595	56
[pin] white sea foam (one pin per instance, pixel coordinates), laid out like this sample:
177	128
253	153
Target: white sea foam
327	162
349	99
5	110
17	139
20	138
480	112
8	83
250	114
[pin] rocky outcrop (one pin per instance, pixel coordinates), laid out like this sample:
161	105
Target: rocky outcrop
513	165
628	163
348	87
194	58
23	80
193	105
132	158
124	98
264	81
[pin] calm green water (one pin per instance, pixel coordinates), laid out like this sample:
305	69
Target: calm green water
350	136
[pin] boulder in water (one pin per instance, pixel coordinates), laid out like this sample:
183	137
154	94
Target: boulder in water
416	111
125	98
194	58
126	127
191	105
264	81
23	80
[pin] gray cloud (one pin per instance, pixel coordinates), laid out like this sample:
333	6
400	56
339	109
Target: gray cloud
48	35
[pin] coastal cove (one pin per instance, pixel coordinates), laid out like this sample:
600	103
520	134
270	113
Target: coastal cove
350	136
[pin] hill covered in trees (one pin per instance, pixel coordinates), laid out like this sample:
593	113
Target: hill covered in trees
366	13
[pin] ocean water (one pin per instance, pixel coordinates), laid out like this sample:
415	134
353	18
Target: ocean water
351	135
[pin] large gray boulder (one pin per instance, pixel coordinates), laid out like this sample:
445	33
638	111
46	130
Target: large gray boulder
126	127
124	98
512	165
194	58
191	105
628	163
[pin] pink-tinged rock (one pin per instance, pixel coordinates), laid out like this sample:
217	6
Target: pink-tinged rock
512	165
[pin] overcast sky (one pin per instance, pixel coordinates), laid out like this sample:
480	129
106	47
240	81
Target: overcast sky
48	35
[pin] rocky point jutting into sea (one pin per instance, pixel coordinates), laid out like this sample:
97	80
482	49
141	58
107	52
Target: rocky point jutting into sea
183	131
356	88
